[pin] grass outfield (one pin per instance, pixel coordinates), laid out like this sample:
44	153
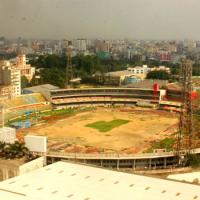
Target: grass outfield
104	126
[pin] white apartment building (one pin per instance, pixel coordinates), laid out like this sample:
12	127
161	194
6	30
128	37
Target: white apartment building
81	44
143	71
16	82
139	71
10	81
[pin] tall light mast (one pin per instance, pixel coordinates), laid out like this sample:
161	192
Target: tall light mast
184	137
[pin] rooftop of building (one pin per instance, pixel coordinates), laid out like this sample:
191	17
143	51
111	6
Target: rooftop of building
148	83
119	73
39	88
62	181
139	67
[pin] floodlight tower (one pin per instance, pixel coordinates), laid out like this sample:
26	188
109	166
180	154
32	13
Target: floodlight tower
184	137
69	68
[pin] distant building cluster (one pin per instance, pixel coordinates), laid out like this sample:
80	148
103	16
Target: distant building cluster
135	52
131	50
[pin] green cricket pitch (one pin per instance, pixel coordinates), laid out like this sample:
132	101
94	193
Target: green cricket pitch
103	126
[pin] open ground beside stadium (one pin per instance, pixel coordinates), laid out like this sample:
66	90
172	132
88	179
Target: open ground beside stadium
142	128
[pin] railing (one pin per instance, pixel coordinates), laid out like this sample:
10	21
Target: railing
113	156
119	156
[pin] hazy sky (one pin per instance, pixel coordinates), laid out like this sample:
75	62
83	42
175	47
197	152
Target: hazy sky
140	19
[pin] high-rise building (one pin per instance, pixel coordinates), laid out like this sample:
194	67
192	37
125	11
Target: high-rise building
103	46
165	56
26	69
81	45
10	82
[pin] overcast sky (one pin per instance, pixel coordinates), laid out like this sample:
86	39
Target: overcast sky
139	19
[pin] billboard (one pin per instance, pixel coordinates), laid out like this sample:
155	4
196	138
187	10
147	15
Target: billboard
36	143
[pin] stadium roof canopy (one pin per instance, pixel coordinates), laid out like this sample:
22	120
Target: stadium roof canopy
63	181
39	88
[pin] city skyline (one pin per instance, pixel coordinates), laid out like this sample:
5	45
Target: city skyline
134	19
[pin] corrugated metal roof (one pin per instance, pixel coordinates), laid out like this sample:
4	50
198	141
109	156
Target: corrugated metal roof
62	181
39	88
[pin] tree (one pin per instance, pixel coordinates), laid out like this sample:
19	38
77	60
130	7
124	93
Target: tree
24	82
161	74
12	151
53	76
196	70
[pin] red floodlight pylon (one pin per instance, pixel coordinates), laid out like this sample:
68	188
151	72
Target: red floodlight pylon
156	89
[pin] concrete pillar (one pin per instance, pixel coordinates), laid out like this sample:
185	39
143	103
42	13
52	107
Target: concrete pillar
1	173
133	164
165	162
117	164
149	163
101	163
5	173
155	167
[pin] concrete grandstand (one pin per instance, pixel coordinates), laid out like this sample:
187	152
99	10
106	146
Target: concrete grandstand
20	105
68	97
165	99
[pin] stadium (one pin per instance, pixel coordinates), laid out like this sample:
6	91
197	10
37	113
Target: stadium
110	127
101	120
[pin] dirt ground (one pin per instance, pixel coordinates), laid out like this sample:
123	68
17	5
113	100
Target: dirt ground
71	134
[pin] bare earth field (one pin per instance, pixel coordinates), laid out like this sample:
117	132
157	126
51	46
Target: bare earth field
71	134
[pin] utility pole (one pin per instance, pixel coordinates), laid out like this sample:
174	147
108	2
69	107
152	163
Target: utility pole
184	137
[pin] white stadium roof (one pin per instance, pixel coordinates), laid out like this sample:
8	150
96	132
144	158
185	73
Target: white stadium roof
63	181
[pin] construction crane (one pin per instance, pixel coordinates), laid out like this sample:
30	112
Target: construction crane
69	67
184	136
